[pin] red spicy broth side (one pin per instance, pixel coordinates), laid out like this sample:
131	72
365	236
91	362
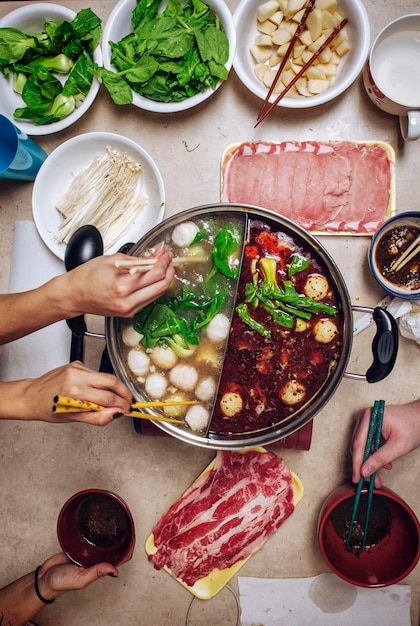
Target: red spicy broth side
271	370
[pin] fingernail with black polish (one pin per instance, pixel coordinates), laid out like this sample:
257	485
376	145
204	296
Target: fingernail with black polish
117	415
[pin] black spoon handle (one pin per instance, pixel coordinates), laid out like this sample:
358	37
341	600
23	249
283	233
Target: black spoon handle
77	348
78	328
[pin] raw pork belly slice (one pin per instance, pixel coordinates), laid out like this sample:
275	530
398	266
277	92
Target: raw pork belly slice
225	516
325	187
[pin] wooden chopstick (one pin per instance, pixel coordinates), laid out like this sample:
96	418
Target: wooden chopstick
298	31
303	70
374	434
141	265
412	250
135	262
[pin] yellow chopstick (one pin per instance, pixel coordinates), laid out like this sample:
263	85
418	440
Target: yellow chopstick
70	405
144	405
302	71
79	405
155	418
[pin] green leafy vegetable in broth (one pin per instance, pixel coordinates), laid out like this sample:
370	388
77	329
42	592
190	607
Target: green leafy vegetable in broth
35	59
282	302
176	320
170	55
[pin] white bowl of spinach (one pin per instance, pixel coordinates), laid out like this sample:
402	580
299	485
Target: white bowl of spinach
167	56
46	54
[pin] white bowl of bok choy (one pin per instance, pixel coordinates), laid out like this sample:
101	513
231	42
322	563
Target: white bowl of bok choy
44	92
176	70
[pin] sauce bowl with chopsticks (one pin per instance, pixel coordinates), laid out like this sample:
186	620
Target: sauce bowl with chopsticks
392	544
394	255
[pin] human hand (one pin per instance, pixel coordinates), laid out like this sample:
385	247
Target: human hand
400	431
58	575
75	380
100	288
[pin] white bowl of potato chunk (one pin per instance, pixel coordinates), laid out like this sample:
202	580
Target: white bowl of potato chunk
267	27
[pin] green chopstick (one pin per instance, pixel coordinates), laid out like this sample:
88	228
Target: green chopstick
377	442
377	411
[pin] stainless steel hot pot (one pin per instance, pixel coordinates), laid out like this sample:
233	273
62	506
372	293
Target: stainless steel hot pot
384	347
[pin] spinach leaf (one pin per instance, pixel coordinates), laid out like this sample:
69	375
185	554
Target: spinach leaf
170	55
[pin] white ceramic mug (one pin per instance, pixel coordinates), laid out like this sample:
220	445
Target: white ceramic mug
392	73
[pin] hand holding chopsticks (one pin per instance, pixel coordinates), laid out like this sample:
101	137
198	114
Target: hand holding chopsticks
70	405
372	443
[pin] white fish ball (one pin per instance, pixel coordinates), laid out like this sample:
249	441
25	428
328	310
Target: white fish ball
325	330
197	417
155	385
165	358
218	328
293	392
183	234
130	336
183	377
138	361
231	403
316	287
206	389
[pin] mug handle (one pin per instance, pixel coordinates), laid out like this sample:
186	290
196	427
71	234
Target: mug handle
410	125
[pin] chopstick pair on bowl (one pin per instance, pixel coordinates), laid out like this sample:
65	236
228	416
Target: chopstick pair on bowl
266	106
372	444
63	404
408	254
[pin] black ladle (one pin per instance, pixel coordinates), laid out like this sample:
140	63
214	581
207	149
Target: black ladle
85	244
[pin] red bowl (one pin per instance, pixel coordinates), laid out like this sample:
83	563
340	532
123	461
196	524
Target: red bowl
96	526
390	555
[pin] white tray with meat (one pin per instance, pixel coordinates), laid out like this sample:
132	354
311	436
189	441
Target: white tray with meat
341	187
228	513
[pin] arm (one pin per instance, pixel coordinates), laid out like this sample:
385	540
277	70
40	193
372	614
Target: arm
32	398
96	287
19	601
400	431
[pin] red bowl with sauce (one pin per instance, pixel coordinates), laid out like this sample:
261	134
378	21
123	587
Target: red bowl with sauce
388	244
393	539
96	526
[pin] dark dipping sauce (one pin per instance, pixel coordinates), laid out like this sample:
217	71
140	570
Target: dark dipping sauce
260	373
102	520
389	248
379	523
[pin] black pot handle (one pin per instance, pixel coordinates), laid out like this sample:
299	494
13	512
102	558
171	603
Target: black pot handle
384	346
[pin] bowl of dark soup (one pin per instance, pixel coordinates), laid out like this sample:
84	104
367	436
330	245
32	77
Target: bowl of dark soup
394	255
96	526
392	539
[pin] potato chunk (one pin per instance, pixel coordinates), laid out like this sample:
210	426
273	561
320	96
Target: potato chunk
277	21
